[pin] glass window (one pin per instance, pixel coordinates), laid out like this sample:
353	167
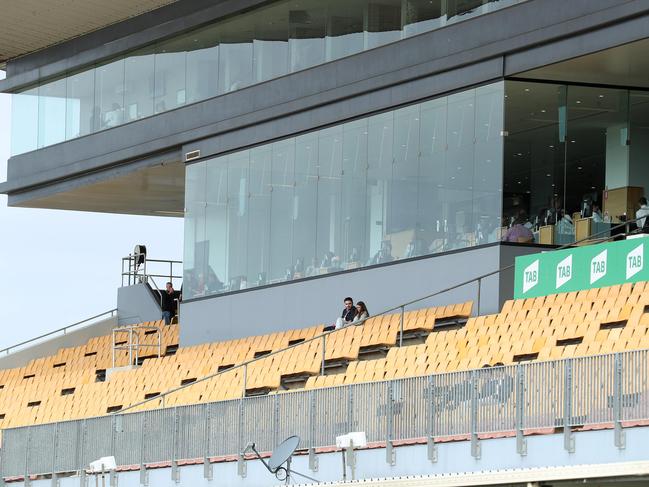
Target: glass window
196	246
421	16
80	110
383	22
307	31
354	194
404	231
24	121
213	275
282	210
109	94
379	178
259	215
305	202
460	169
138	85
236	53
238	220
270	46
202	65
51	112
405	183
432	206
344	29
170	67
328	230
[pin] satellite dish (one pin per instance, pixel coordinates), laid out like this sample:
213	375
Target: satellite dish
281	456
283	452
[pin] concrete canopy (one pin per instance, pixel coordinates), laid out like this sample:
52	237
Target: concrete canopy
30	25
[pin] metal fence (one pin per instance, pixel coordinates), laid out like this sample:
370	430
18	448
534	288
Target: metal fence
568	393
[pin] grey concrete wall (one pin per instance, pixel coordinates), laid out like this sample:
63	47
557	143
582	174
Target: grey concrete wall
136	304
50	346
319	300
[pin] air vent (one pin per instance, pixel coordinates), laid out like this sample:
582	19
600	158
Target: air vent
100	375
612	325
569	341
223	368
190	156
68	391
171	350
328	328
151	395
33	404
295	342
90	354
2	416
113	409
29	376
262	353
150	332
526	357
184	382
56	366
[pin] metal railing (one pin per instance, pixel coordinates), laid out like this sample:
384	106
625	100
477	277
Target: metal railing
515	399
61	331
132	273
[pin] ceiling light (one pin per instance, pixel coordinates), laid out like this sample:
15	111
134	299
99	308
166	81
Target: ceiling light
578	101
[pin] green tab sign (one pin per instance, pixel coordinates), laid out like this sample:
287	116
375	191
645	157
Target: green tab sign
580	268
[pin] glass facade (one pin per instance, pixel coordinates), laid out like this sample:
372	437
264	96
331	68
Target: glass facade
422	179
573	152
268	42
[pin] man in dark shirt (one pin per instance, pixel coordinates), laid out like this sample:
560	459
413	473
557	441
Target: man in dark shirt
349	311
168	303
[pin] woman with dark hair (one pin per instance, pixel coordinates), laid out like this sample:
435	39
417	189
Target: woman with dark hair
361	312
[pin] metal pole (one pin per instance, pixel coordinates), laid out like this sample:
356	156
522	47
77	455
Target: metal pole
432	448
475	443
245	380
521	443
401	327
568	439
620	440
324	351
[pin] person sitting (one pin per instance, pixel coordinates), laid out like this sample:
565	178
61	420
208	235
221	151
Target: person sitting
361	312
348	314
641	214
168	303
519	232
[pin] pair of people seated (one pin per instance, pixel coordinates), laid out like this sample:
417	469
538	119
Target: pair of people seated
352	314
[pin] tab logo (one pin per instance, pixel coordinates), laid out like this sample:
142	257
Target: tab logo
634	261
598	266
564	271
531	276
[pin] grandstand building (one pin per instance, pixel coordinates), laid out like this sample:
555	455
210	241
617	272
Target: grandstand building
406	152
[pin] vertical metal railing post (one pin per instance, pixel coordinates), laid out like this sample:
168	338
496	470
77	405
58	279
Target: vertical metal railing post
28	440
521	442
208	472
620	437
568	438
241	463
175	473
144	478
276	419
350	408
401	326
245	380
430	408
390	454
475	442
54	450
324	354
313	459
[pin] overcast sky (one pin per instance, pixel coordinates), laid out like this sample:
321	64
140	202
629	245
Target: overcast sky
59	267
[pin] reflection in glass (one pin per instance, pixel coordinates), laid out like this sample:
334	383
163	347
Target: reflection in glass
79	112
170	61
263	44
51	112
400	184
24	113
109	95
138	85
